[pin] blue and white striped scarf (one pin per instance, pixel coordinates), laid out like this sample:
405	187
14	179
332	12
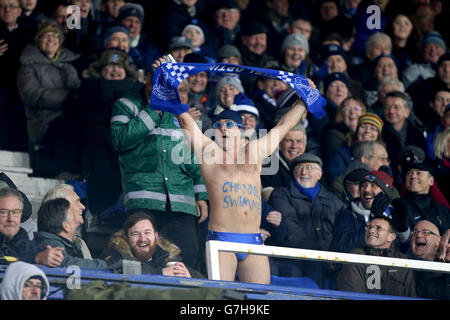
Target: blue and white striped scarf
169	75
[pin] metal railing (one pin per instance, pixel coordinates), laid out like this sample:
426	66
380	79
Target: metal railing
213	247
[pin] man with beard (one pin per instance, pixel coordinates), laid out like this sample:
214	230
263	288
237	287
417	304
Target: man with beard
139	241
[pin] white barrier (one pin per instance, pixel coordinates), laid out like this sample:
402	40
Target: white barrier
213	247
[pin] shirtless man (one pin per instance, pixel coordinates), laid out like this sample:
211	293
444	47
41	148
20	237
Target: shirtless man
231	169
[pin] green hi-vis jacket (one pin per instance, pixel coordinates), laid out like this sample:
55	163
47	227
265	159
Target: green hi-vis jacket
155	161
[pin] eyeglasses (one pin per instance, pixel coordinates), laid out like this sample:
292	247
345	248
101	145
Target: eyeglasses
355	108
5	212
228	124
426	233
10	7
307	167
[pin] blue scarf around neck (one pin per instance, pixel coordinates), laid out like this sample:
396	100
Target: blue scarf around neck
309	192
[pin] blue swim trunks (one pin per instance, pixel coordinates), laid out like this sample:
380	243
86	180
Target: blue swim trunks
250	238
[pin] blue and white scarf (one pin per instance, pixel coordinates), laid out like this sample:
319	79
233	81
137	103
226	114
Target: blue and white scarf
169	75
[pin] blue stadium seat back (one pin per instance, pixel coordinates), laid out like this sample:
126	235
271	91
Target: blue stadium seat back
299	282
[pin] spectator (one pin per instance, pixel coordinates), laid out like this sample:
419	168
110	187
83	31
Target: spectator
422	94
418	203
404	36
433	47
227	90
14	36
377	44
308	225
355	171
200	97
24	281
291	146
47	82
424	246
432	123
379	238
423	20
225	28
254	45
197	36
375	190
174	194
57	225
179	47
369	128
110	77
273	226
399	130
67	191
14	240
177	15
31	14
250	115
295	56
276	18
442	160
131	15
139	241
385	86
384	66
343	126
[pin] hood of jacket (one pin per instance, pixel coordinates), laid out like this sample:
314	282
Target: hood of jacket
15	277
32	55
119	242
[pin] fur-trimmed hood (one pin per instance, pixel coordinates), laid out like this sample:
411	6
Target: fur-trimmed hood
119	243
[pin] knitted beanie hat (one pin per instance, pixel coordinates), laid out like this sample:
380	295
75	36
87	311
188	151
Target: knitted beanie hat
381	179
373	119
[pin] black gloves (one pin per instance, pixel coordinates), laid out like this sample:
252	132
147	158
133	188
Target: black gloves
379	204
399	215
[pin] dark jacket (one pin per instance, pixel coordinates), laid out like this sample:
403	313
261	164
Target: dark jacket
432	285
309	223
349	228
72	252
423	207
393	281
20	246
283	176
118	248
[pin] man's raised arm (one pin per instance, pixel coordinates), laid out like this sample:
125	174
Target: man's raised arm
269	143
197	139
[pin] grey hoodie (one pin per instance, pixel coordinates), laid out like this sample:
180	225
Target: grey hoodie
15	277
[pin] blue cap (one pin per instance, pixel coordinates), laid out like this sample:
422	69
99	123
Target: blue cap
230	115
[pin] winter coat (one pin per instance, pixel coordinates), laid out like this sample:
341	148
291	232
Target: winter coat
393	281
337	162
146	143
15	277
282	178
118	248
423	207
350	228
45	87
333	137
309	223
432	285
72	252
20	246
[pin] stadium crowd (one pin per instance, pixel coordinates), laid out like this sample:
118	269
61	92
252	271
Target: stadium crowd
370	177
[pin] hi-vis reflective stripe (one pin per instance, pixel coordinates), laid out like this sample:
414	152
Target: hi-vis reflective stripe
123	119
133	108
145	117
167	132
159	196
199	188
